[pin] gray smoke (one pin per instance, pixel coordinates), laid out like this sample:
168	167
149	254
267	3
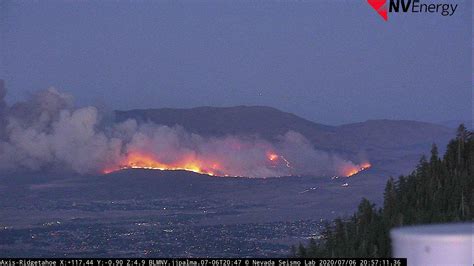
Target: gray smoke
3	107
47	133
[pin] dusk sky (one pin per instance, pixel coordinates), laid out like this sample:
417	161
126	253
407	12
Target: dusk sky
331	62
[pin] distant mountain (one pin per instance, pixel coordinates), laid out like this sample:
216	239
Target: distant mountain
393	134
395	144
456	123
265	122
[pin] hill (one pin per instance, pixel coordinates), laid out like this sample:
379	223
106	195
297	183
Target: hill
439	190
394	144
265	122
455	123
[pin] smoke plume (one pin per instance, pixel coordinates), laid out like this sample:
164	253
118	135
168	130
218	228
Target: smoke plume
47	133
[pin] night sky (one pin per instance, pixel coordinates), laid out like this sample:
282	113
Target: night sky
332	62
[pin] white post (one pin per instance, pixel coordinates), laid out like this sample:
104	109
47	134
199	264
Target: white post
438	244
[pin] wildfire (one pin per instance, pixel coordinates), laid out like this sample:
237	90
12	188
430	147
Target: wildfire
356	169
212	167
145	161
275	158
272	156
138	160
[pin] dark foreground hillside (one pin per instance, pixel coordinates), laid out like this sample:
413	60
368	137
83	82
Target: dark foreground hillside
153	213
438	191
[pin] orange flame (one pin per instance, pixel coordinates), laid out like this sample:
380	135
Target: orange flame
278	159
356	169
272	156
137	160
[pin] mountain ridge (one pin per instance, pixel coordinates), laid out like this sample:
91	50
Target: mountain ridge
395	144
266	122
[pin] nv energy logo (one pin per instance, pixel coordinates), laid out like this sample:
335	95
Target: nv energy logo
411	6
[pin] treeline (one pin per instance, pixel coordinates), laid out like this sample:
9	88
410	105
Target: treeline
439	190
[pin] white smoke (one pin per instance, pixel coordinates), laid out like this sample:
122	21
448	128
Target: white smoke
46	133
